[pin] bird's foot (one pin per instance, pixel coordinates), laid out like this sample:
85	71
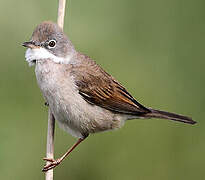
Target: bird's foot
52	164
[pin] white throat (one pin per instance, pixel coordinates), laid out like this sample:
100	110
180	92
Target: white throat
37	54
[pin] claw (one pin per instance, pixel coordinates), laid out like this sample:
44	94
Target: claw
53	163
49	159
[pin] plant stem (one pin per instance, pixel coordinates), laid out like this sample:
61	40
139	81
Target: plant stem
50	143
61	13
51	119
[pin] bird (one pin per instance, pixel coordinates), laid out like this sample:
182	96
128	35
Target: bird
83	98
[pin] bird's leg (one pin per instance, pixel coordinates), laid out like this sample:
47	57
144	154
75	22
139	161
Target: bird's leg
53	163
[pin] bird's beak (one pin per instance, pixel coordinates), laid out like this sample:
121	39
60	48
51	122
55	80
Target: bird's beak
30	44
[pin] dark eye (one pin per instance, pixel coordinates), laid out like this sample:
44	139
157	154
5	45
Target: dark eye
52	43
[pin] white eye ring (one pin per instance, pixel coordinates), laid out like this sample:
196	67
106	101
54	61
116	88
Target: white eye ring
52	43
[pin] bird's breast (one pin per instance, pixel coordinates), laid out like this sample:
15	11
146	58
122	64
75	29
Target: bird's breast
73	113
60	92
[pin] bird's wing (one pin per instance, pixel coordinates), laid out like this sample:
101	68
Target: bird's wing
99	88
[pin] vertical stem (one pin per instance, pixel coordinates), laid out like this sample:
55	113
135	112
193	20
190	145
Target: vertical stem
51	119
61	13
50	143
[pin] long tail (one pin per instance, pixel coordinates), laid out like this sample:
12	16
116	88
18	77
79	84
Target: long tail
167	115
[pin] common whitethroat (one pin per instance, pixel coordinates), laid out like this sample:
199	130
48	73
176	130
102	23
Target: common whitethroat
83	97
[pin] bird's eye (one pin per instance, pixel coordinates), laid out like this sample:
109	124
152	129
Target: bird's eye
52	43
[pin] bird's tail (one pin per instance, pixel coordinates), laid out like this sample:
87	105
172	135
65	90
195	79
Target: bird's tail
167	115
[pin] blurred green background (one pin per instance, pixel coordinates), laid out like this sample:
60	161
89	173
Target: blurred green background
155	48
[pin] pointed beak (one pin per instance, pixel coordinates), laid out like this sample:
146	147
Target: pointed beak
30	44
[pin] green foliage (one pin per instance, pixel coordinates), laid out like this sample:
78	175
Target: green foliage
154	48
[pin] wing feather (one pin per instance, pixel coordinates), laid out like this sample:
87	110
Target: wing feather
99	88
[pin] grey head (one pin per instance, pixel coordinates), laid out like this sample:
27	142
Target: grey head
48	40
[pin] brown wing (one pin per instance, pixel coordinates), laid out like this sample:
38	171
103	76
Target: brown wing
99	88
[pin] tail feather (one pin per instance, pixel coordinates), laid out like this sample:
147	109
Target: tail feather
167	115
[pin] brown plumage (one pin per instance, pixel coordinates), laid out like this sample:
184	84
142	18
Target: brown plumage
99	88
83	98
